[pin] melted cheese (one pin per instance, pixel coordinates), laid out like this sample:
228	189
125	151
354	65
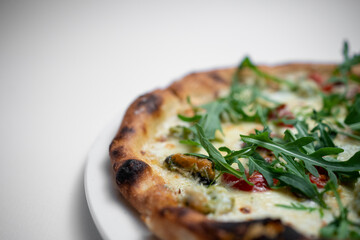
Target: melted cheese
249	205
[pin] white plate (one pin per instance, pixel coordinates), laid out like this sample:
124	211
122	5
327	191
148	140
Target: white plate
113	216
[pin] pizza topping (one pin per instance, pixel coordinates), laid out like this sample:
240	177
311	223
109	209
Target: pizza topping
279	113
300	207
214	199
266	154
320	81
191	165
258	181
245	210
321	180
304	159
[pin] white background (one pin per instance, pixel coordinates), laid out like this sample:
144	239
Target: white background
67	69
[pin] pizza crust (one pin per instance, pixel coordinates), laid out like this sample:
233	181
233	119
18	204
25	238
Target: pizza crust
146	190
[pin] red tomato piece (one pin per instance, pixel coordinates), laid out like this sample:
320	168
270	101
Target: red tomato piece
327	88
317	78
320	81
279	113
322	179
260	184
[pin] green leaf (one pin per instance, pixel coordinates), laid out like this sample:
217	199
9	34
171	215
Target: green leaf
353	118
264	168
215	156
325	151
236	154
189	142
300	142
263	140
325	134
211	121
298	206
247	63
296	181
189	119
331	102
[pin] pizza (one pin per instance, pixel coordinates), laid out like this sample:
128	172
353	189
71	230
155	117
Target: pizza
253	152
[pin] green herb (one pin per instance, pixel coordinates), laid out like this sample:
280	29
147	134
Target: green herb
211	122
215	156
349	62
301	207
247	63
353	118
343	72
298	182
234	107
325	134
331	104
315	158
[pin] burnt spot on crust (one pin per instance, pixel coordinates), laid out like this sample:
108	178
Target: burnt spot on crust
256	229
217	78
149	102
118	152
213	230
125	131
130	171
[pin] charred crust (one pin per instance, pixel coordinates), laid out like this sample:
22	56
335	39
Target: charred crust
270	229
130	171
290	233
150	102
126	131
118	152
256	229
216	77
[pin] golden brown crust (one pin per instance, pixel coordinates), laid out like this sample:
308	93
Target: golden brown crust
146	190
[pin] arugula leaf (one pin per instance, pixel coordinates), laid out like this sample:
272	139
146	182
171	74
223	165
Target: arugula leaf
232	156
189	119
353	118
344	69
299	183
326	134
331	102
302	129
349	62
211	121
247	63
315	158
216	157
301	207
